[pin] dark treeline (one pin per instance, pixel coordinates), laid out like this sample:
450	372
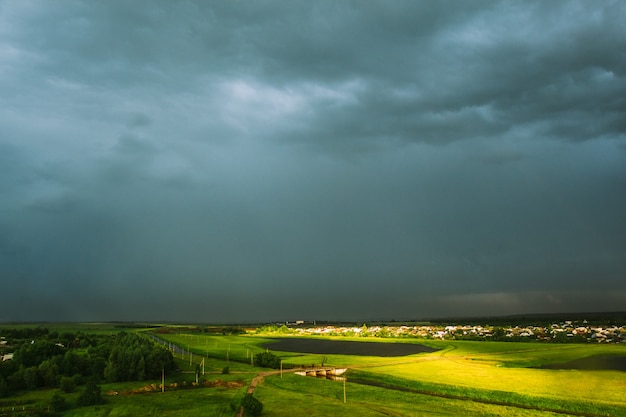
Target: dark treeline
213	330
45	359
135	358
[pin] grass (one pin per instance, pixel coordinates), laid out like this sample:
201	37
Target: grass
193	402
297	395
507	397
469	374
482	371
218	351
461	378
486	370
214	401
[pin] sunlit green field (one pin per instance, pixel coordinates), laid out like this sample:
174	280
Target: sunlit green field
490	366
461	378
297	396
468	375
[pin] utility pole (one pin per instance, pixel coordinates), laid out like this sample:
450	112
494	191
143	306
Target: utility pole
281	369
162	379
344	390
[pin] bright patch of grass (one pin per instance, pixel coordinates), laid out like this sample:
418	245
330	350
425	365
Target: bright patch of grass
313	397
508	397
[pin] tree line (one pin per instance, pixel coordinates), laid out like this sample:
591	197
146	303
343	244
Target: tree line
65	361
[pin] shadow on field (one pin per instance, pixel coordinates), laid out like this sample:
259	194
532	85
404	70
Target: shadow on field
592	363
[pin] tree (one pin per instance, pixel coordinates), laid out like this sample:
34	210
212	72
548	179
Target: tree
498	334
141	369
4	387
267	360
560	337
49	372
384	332
110	372
70	363
252	406
32	379
32	354
58	403
68	384
91	395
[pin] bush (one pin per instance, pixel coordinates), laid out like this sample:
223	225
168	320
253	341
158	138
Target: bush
226	370
58	403
252	406
4	388
68	384
91	395
267	360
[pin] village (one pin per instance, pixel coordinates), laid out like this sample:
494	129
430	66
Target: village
562	332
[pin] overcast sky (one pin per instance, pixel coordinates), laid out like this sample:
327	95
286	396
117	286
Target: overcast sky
279	160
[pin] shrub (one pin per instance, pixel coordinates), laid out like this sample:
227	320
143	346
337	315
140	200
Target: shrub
68	384
267	360
252	406
58	403
91	395
4	388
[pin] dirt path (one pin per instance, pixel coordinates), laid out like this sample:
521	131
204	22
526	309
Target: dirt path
259	378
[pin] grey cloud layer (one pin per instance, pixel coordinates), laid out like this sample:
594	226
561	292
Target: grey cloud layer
426	72
426	151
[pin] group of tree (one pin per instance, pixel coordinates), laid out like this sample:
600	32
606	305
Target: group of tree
41	361
274	329
135	358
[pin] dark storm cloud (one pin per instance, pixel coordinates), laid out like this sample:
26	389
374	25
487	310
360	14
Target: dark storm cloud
234	159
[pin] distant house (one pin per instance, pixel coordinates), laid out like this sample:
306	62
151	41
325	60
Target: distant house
7	357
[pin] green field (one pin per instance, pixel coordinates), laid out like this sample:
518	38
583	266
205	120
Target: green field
468	378
189	402
461	378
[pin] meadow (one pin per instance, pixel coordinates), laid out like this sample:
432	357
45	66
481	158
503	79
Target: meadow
472	378
461	377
